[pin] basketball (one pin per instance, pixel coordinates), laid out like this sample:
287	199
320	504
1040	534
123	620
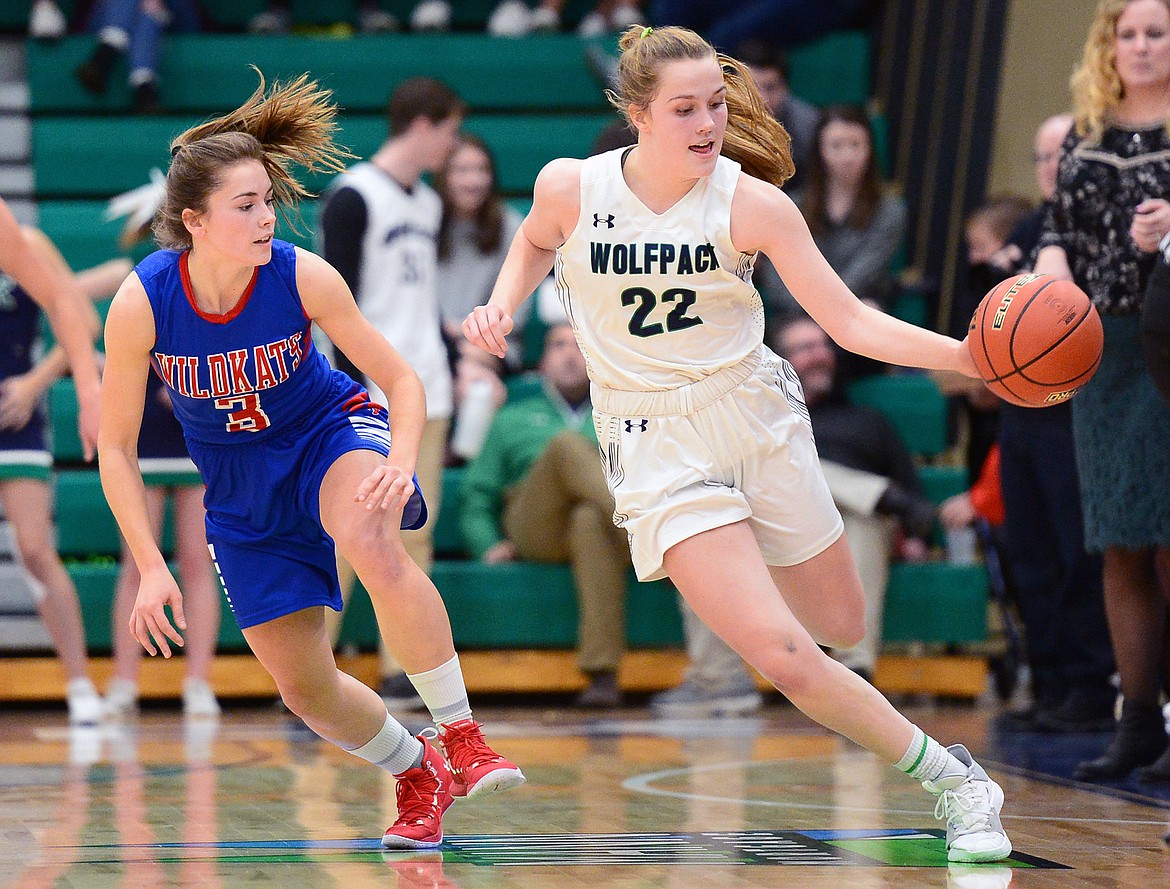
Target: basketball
1036	340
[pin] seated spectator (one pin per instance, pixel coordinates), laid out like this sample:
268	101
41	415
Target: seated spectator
875	485
768	65
537	492
134	28
479	392
515	18
857	223
475	232
276	18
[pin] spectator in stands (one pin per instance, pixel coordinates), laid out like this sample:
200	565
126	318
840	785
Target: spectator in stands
134	28
537	492
379	228
25	461
789	21
1108	216
857	224
873	481
768	65
515	18
479	393
372	17
986	235
1056	583
475	232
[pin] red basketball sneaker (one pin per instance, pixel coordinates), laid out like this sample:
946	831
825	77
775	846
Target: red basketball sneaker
423	794
477	768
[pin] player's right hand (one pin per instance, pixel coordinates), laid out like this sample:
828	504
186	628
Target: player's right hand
149	623
486	327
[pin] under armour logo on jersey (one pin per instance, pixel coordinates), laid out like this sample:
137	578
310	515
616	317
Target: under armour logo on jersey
599	220
640	425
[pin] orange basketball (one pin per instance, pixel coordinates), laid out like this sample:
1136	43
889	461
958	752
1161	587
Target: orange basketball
1036	340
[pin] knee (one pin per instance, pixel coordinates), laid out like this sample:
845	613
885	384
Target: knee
372	546
794	668
38	559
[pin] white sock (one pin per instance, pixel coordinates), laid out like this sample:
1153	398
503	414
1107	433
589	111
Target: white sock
393	748
927	760
444	693
82	686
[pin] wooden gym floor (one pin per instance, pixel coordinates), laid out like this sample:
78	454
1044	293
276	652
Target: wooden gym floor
619	799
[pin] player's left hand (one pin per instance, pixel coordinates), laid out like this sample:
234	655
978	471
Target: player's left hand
19	397
387	487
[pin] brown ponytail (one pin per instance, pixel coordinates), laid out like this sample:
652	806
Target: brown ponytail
293	122
754	138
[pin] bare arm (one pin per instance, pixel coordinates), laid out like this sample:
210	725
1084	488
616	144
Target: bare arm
556	204
328	301
1053	261
129	338
764	218
69	314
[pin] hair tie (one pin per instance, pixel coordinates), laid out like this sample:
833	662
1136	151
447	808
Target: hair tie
646	32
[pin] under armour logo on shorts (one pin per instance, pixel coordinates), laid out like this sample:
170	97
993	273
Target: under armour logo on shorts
599	220
640	425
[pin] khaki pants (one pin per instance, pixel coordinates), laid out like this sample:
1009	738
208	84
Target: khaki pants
714	665
562	511
419	544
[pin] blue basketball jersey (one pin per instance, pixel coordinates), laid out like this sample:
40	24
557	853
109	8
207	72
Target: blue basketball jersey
247	374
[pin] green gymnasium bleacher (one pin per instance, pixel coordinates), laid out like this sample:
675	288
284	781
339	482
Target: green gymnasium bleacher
532	100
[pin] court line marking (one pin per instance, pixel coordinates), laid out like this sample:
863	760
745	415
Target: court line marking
641	784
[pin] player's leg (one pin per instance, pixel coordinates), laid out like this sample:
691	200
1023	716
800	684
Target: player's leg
28	507
122	695
200	600
295	649
412	618
742	604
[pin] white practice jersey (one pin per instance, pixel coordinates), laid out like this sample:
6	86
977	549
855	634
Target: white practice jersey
657	301
396	287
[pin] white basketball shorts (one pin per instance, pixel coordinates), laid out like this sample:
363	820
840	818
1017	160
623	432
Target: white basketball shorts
734	446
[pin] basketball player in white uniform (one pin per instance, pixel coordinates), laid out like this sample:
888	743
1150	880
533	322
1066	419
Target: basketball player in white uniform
703	431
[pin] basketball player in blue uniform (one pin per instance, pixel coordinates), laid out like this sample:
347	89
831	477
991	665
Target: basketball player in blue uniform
296	458
703	431
26	464
167	469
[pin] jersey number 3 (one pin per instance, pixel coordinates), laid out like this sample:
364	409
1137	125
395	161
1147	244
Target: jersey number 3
678	319
245	413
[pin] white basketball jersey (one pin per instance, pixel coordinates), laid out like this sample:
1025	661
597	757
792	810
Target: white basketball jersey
396	289
657	301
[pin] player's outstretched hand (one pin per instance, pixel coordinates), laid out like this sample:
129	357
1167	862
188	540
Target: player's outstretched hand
387	487
487	326
149	623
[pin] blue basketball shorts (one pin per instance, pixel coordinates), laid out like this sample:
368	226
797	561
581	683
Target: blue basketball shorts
24	453
264	529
